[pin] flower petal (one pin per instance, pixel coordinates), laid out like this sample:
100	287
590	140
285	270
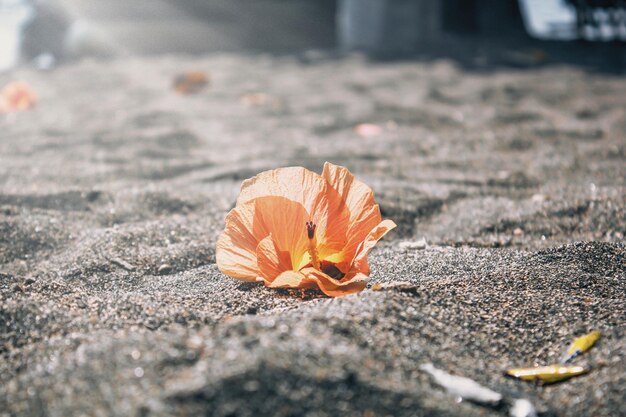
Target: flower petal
235	253
251	222
271	261
286	221
332	217
364	212
332	287
291	279
294	183
359	263
326	208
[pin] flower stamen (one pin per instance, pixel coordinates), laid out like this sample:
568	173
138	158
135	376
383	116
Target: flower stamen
310	230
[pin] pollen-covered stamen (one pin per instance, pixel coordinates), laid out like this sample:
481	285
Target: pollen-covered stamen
310	230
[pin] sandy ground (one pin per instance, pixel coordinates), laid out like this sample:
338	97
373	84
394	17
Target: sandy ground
114	188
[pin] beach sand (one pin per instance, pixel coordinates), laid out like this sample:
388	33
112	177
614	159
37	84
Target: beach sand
113	190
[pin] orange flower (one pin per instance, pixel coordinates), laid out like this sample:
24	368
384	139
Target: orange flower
17	96
292	228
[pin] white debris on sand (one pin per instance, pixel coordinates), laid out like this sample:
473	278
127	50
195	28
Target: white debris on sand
413	245
522	408
461	387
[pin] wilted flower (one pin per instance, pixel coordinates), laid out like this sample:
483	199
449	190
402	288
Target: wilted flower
17	96
292	228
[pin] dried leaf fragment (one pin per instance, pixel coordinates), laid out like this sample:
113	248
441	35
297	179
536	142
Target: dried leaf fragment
17	96
190	82
261	100
547	374
580	345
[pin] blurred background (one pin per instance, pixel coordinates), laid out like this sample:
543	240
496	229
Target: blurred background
45	33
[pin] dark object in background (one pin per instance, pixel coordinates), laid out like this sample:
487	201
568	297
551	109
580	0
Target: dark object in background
46	32
393	27
594	16
494	18
387	26
264	25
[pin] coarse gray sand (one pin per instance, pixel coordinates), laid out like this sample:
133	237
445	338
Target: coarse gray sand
114	188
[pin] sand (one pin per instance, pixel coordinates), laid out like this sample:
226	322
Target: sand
114	188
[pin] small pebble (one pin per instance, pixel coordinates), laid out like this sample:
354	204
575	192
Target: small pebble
152	324
164	269
368	130
538	198
194	342
251	386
